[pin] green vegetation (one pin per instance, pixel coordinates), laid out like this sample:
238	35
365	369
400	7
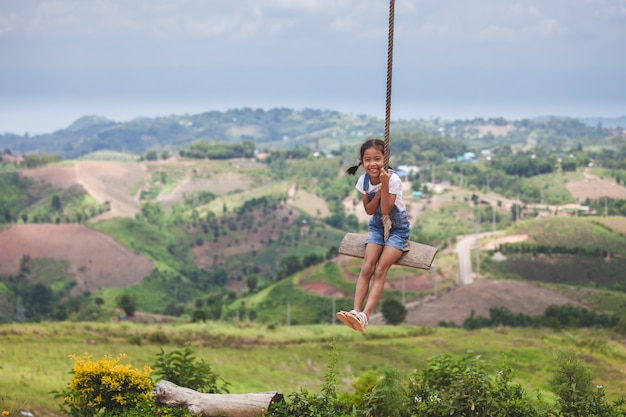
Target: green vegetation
237	241
26	201
498	368
234	250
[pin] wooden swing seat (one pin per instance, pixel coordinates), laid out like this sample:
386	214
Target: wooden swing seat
419	255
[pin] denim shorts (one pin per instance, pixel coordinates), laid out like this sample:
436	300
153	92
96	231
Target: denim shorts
399	234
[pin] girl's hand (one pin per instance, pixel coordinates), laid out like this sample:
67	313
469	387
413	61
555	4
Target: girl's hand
384	176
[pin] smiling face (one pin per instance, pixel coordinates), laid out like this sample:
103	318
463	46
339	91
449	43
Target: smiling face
373	162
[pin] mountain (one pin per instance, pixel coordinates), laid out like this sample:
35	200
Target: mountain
282	128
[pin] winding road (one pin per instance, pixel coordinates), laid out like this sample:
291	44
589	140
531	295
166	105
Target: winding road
464	251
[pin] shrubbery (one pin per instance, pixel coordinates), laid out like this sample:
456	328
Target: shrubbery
555	317
447	386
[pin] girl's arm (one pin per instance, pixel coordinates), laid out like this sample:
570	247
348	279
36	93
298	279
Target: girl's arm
386	200
382	197
370	206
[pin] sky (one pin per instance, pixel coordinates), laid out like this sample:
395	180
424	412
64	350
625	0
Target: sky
453	59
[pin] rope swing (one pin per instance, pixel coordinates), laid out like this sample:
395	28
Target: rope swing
353	244
386	155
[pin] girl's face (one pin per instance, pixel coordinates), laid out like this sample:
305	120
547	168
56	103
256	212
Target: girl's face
373	162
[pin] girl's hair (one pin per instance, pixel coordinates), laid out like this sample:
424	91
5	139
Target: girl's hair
370	143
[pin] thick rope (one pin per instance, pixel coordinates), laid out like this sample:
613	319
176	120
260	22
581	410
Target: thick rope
389	73
386	219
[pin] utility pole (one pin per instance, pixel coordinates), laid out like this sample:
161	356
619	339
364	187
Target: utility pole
477	243
288	314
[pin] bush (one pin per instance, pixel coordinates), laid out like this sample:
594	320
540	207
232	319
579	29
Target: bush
325	404
394	312
388	397
577	396
182	368
104	386
449	387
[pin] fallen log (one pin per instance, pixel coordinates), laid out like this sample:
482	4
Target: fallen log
215	405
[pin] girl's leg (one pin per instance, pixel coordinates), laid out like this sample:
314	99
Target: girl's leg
372	253
388	257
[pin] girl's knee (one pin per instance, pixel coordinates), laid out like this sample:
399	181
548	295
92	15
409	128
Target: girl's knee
381	271
368	268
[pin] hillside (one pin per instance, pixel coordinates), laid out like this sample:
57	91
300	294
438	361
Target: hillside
477	298
220	231
111	182
89	253
244	245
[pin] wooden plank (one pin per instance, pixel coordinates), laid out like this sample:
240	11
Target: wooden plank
419	255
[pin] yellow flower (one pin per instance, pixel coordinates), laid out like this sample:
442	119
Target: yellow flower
5	412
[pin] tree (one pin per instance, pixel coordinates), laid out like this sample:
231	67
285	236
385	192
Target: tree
56	203
394	311
287	266
252	281
128	303
151	155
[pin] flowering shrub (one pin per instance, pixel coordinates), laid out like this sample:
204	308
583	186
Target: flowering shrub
104	386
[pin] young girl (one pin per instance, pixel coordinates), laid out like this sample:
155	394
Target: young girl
381	193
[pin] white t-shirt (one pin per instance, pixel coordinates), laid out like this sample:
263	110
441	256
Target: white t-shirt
395	187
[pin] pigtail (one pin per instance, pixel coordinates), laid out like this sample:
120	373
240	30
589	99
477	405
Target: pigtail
353	169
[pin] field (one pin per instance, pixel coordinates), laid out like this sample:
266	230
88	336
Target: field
593	187
255	359
95	259
114	182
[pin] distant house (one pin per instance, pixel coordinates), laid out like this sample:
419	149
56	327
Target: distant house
403	174
469	156
413	169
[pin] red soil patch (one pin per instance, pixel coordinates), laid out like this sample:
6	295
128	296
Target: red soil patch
322	288
96	260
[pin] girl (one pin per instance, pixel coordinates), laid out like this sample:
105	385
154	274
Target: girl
381	193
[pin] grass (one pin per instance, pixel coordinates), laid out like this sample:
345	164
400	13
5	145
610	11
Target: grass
110	156
571	232
235	200
255	358
616	223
